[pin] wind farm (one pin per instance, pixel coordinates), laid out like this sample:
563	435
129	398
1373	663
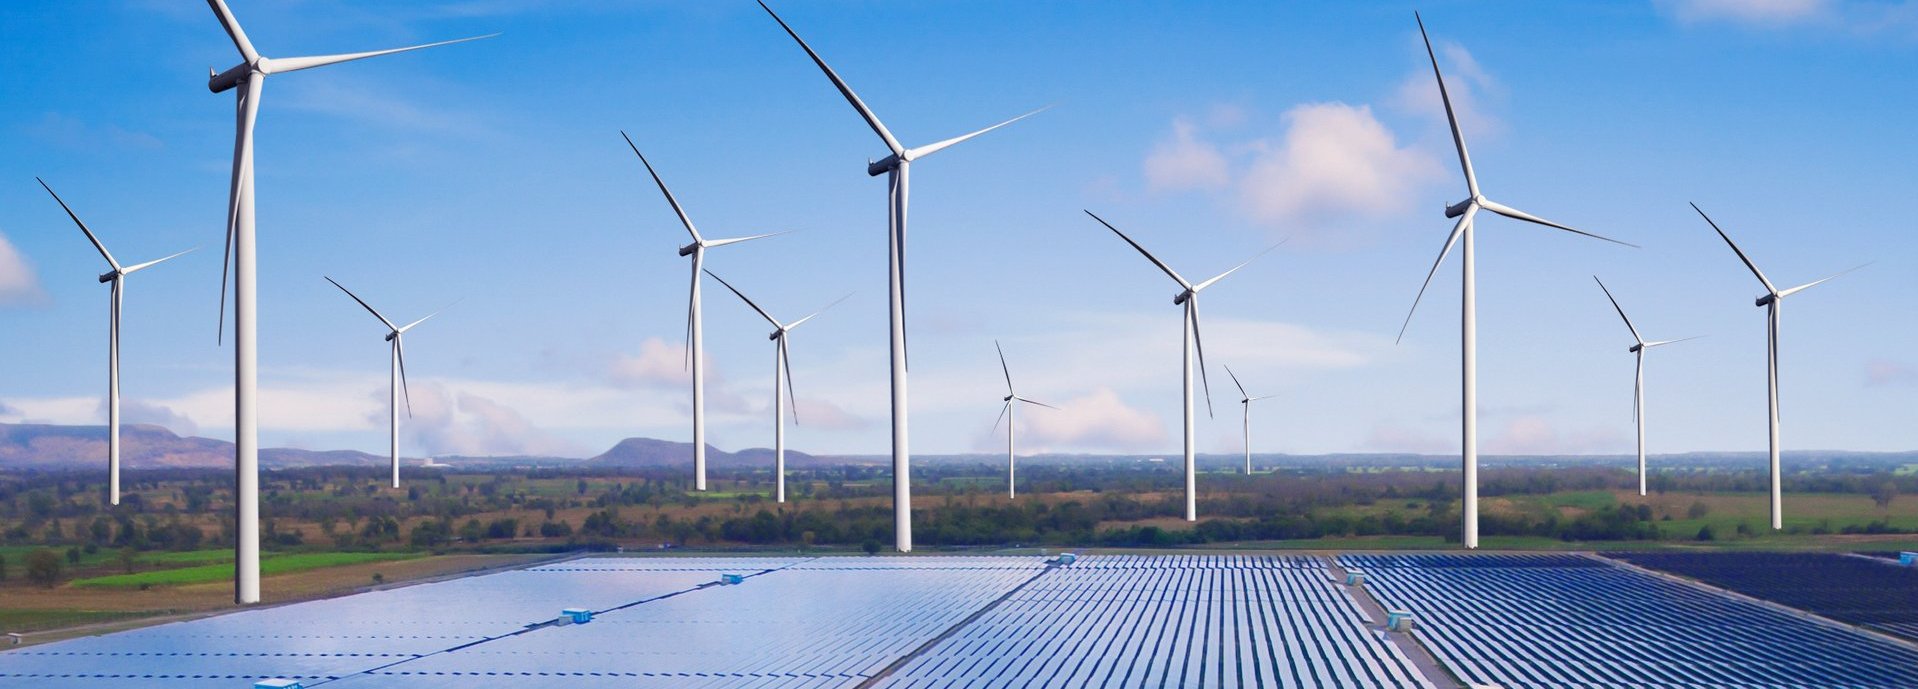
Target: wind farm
592	496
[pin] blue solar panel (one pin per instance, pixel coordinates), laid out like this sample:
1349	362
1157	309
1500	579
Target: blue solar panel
1180	621
1575	621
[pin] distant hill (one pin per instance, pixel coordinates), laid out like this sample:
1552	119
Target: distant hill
44	446
652	452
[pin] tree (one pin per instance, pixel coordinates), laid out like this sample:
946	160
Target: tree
1698	510
1884	494
3	568
43	567
871	546
126	559
1705	533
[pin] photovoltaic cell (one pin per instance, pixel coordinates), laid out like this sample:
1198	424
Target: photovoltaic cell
1168	621
1541	621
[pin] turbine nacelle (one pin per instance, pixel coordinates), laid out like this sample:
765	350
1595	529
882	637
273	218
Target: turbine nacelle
1765	300
690	249
884	165
225	81
1458	209
1182	297
110	276
1636	348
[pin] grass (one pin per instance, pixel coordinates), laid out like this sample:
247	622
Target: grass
279	564
30	620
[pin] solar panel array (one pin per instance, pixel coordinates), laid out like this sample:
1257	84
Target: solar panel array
1867	592
827	622
1182	621
1573	621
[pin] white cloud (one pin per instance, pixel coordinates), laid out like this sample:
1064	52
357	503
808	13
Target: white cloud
144	412
1185	162
1098	421
1466	82
1538	435
18	283
1335	160
819	413
657	365
1750	12
1887	372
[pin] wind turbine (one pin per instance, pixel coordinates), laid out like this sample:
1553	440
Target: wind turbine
1462	236
1007	414
118	278
1770	300
695	320
1188	297
1245	402
398	381
246	80
782	368
896	166
1638	379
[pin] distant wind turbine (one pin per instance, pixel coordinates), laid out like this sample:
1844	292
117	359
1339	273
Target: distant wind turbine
1188	297
1462	236
1770	301
247	79
1638	379
1009	415
896	166
782	368
695	319
1245	402
398	383
117	277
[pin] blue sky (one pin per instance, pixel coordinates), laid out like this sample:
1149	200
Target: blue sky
494	172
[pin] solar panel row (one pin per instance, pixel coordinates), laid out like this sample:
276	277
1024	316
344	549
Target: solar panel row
1187	621
1573	621
1869	592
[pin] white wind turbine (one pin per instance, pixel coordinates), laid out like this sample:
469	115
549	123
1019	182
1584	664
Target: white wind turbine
394	335
1245	402
895	165
1638	379
1462	236
1008	414
117	277
246	80
1770	301
782	368
1188	297
695	318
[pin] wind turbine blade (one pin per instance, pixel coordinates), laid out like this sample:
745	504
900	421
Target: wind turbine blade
1638	387
1517	214
409	326
1458	230
1741	252
134	269
1235	382
689	314
1262	397
83	226
810	316
1154	259
736	240
683	220
248	113
1037	402
930	149
1003	367
1002	415
1621	311
1192	314
399	344
1814	283
368	307
844	90
295	64
1451	118
1234	269
1666	342
233	30
792	396
749	302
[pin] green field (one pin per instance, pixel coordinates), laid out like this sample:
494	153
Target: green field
275	564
